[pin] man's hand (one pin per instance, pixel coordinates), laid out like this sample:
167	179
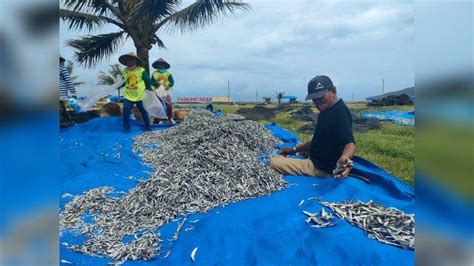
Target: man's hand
342	160
287	151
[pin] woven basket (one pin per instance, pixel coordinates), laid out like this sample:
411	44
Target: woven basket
181	114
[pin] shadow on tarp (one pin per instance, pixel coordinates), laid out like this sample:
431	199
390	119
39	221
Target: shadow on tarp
265	230
397	117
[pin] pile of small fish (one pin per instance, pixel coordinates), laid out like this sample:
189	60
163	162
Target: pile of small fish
321	219
199	164
387	225
95	203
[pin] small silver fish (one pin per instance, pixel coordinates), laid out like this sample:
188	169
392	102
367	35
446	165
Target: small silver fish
193	254
309	213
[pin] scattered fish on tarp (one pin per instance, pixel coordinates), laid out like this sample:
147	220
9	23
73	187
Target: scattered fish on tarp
180	225
67	195
387	225
320	219
301	203
202	163
193	254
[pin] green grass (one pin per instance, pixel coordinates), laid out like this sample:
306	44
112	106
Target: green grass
392	147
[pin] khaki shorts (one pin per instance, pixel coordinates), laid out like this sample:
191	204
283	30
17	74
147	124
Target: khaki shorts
290	166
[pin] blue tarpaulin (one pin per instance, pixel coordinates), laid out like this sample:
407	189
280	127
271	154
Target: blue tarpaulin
288	97
116	99
262	231
394	116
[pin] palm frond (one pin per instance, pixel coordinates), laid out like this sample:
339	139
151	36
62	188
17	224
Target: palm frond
159	42
109	78
107	10
105	79
158	9
201	13
91	49
78	83
70	68
78	20
115	70
98	7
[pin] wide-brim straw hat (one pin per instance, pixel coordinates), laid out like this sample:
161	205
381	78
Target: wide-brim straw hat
160	61
123	58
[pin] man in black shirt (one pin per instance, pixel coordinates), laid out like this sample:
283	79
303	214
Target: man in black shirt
332	144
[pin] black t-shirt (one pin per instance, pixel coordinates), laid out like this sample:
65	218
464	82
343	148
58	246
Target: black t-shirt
332	133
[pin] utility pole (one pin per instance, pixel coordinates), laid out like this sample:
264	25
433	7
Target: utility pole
383	84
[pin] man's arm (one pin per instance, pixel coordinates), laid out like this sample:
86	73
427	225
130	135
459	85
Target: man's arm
347	154
343	133
298	148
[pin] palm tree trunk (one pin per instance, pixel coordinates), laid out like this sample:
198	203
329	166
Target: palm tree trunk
143	54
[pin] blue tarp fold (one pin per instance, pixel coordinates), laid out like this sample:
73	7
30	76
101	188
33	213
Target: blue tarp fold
394	116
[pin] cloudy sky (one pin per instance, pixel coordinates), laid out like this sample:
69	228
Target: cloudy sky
280	45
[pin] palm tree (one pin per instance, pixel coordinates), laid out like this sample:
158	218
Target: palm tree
70	67
279	96
140	20
109	78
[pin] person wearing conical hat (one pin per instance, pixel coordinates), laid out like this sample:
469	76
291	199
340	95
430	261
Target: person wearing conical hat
137	80
163	81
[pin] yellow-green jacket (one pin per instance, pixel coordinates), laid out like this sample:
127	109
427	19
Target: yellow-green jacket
137	81
165	79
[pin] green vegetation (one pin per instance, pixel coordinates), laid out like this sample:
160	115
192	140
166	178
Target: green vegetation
392	147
